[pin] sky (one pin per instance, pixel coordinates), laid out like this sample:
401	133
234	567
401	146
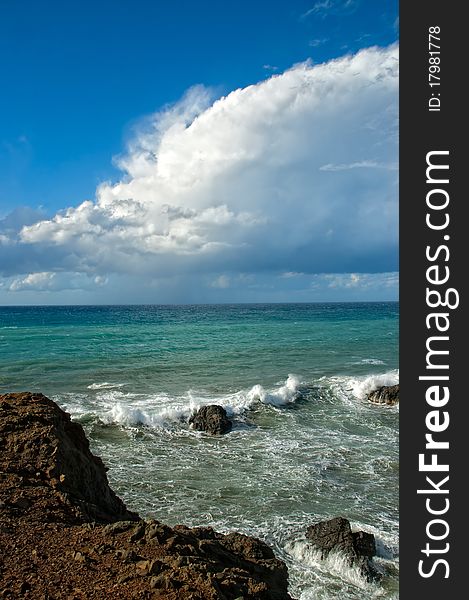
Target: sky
181	152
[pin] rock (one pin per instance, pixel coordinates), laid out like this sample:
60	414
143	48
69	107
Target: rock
336	535
364	543
157	532
79	557
327	535
249	547
138	533
386	394
128	556
119	527
211	419
148	567
41	438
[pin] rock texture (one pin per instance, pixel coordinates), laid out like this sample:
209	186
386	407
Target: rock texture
336	535
386	394
211	419
39	442
65	534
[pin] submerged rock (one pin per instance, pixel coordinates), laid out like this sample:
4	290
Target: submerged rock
65	534
386	394
211	419
336	535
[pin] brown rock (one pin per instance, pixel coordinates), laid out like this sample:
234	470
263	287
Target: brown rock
386	394
40	437
211	419
78	540
336	535
364	543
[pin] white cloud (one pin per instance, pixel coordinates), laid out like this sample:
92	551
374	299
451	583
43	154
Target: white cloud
34	281
324	7
317	42
358	281
363	164
321	6
290	274
243	184
50	281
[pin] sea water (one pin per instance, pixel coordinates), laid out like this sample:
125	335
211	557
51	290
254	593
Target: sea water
306	445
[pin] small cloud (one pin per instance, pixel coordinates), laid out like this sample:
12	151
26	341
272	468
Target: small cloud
290	275
319	7
363	37
34	281
270	67
347	280
317	42
355	281
363	164
324	7
100	280
222	282
54	281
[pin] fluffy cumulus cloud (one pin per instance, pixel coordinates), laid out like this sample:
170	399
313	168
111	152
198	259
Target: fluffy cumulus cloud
294	175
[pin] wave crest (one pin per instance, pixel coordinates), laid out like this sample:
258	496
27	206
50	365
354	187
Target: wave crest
163	410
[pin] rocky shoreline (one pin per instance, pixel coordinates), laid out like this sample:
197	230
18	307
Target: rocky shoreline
65	534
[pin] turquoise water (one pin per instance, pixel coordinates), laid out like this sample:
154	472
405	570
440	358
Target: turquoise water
305	445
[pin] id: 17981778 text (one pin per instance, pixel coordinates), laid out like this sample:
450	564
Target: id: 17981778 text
434	59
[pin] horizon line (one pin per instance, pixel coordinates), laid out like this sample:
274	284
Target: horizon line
199	303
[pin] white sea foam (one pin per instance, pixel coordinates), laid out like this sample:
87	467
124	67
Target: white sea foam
337	563
285	394
105	385
350	389
362	387
370	361
161	410
126	415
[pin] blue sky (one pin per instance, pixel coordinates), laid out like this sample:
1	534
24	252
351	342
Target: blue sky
94	94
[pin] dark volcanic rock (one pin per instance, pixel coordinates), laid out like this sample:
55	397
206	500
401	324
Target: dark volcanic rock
212	419
386	394
55	502
364	543
336	535
38	439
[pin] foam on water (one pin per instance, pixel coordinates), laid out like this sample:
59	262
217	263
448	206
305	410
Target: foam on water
362	387
286	394
105	385
370	361
336	562
127	410
350	389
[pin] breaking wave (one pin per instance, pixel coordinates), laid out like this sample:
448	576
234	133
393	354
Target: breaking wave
115	407
351	389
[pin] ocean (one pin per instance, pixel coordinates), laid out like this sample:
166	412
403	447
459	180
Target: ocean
305	446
